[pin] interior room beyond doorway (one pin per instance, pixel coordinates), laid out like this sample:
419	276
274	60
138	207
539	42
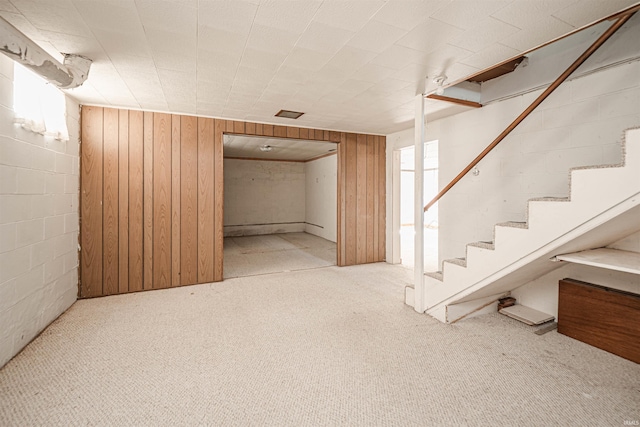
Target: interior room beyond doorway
407	232
280	205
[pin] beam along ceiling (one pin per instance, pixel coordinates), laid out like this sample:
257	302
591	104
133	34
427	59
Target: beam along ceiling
351	65
252	147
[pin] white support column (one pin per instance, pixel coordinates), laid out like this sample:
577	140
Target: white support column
418	200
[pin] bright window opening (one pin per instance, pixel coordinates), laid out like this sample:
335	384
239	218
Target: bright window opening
39	106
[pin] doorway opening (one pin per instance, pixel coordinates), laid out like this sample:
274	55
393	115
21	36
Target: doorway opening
407	233
280	205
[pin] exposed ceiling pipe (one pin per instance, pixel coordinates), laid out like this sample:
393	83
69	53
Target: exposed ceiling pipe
71	73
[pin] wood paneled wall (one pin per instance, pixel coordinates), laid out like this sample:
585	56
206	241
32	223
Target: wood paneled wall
152	197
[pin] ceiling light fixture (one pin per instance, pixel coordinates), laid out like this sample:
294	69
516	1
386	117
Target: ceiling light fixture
289	114
439	80
266	148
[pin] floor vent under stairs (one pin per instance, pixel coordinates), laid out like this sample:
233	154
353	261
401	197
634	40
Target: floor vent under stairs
603	206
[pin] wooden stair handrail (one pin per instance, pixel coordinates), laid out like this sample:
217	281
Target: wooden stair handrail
587	53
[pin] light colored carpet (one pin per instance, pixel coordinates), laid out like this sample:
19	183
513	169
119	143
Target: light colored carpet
330	346
276	253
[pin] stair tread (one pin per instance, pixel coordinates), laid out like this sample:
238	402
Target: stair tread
550	199
457	261
483	245
608	166
514	224
435	274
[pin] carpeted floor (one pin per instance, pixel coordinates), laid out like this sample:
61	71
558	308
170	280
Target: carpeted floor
329	346
276	253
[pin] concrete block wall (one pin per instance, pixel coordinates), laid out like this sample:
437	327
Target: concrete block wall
38	223
263	197
580	124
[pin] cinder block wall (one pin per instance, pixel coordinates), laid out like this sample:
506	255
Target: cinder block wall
38	223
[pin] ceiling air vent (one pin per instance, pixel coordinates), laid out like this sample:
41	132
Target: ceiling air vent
289	114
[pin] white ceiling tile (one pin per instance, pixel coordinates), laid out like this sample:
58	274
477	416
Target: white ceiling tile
407	14
349	59
174	61
545	30
486	32
111	15
445	56
271	39
232	16
178	17
347	14
464	13
291	75
293	16
115	42
23	25
376	37
306	59
411	73
268	62
398	57
324	38
168	41
43	13
430	36
78	45
586	11
253	74
6	6
351	64
216	40
526	13
490	56
372	73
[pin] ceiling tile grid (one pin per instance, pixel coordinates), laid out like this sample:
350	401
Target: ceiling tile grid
352	65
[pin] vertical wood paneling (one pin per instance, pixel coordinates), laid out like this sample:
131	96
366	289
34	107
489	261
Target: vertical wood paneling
91	202
371	256
382	179
238	127
148	201
123	201
189	200
161	200
152	197
351	202
205	200
175	200
218	190
292	132
376	198
340	247
136	204
110	231
361	199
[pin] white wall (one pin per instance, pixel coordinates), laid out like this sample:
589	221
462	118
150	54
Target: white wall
580	124
263	197
321	195
38	223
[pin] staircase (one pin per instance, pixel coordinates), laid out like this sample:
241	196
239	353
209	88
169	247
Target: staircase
603	206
